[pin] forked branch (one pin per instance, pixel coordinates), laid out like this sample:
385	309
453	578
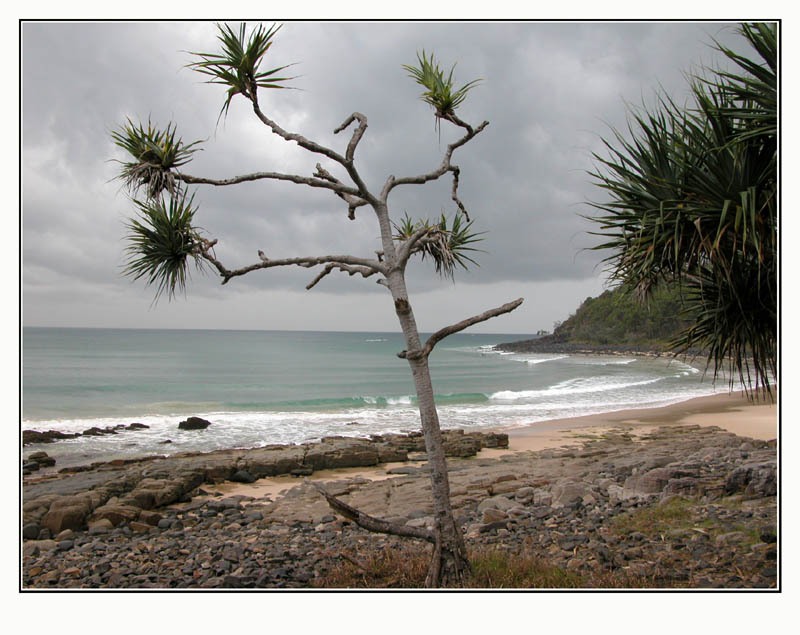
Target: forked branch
443	168
370	523
357	133
353	202
311	146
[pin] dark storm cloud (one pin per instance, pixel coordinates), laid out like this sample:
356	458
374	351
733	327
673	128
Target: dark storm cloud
549	92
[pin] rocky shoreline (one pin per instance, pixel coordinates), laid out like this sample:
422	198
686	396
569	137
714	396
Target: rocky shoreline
556	345
676	506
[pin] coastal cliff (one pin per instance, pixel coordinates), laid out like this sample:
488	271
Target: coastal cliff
615	322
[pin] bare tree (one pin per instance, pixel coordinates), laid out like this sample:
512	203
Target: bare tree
163	240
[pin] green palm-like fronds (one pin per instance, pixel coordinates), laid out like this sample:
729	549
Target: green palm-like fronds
447	246
693	198
237	65
440	93
156	154
160	243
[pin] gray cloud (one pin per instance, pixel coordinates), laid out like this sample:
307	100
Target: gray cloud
550	91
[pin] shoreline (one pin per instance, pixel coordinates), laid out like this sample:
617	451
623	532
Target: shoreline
731	412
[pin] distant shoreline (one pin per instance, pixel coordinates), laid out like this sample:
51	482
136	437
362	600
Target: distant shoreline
549	344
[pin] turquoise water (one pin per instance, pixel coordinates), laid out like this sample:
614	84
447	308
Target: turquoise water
259	387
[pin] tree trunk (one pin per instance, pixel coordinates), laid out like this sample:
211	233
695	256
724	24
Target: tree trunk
449	565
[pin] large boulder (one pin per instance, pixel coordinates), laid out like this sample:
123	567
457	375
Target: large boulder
567	491
338	452
268	461
116	513
69	512
243	476
70	517
496	502
48	436
151	493
755	479
653	482
42	458
194	423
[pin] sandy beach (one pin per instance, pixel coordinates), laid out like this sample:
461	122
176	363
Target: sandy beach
731	412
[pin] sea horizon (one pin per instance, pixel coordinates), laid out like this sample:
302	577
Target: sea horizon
167	328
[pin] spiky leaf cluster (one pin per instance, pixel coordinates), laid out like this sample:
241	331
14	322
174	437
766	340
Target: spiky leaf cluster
447	244
440	92
693	198
237	65
160	243
157	153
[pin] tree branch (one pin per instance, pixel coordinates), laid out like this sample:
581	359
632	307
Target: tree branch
454	195
371	523
357	133
367	264
337	186
366	272
443	168
406	249
353	202
460	326
346	161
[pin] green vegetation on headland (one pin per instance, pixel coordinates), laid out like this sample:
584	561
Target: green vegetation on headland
616	320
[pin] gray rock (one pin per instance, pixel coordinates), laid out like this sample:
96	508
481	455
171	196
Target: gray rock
243	476
491	515
758	479
496	502
567	492
652	482
30	531
525	493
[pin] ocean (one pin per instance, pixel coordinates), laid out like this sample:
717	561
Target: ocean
263	387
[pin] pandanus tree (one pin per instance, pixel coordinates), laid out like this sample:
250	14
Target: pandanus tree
693	200
163	240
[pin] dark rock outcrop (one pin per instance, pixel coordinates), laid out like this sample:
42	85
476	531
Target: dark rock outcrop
194	423
48	436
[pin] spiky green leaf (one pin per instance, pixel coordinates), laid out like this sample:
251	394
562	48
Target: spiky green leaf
440	92
237	64
161	241
692	196
156	155
447	243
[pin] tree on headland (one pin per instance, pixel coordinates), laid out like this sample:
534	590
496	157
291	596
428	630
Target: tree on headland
163	239
693	200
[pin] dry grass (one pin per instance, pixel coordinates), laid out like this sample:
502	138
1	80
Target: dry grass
493	568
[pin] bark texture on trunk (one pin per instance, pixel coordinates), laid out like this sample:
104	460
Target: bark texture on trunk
449	565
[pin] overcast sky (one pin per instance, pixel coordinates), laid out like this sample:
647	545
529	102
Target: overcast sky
550	92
